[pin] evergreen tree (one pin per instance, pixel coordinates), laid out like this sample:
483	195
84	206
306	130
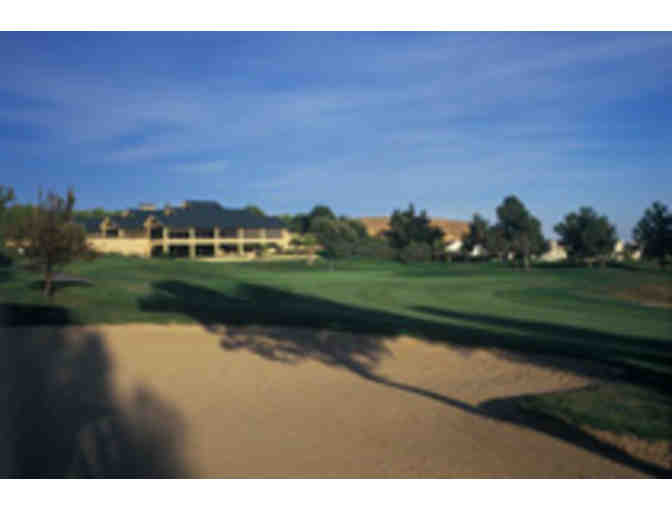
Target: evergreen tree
654	233
587	236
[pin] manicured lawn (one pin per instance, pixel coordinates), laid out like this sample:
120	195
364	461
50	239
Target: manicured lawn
579	313
622	408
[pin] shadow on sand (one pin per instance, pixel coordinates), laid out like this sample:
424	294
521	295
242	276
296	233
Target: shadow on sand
59	416
259	305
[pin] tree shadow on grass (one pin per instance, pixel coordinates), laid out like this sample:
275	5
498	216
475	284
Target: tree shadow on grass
307	331
59	416
61	281
58	286
638	359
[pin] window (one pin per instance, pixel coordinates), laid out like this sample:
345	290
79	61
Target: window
252	233
251	247
205	250
228	249
205	233
178	234
228	233
274	233
113	232
157	233
178	251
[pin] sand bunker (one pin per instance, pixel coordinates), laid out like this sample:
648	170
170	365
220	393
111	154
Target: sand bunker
283	402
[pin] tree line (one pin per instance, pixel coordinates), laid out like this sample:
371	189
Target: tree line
48	234
585	235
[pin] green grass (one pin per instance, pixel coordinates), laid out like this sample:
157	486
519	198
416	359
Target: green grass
621	408
550	310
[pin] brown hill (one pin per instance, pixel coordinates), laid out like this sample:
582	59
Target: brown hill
452	229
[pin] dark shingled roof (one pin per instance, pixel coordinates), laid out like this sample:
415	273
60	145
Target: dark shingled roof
90	225
195	213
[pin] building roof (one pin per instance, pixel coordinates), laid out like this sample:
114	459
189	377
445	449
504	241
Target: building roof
193	213
90	225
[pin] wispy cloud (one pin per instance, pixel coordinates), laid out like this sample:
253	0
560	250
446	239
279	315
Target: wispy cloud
363	120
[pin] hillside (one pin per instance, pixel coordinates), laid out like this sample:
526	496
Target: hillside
452	229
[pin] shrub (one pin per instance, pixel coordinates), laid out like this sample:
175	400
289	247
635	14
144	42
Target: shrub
416	252
375	249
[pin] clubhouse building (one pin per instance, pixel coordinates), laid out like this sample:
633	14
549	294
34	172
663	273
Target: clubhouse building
194	229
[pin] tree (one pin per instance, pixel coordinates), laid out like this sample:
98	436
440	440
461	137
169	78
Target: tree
477	235
307	242
653	233
286	220
320	211
6	196
416	252
357	226
97	212
337	237
49	236
586	235
12	216
375	248
299	223
407	227
439	250
520	230
254	210
495	242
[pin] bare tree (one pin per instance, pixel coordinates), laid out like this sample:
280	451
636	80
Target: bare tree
48	235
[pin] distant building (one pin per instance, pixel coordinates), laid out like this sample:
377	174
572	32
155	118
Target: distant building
622	250
555	252
456	246
194	229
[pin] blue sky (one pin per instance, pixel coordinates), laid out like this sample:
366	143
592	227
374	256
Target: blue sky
362	122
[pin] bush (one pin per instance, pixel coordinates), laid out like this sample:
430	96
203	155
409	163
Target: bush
375	249
339	249
416	252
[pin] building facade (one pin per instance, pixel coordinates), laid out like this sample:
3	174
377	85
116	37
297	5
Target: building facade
194	229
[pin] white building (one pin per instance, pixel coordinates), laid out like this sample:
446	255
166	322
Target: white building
455	246
555	252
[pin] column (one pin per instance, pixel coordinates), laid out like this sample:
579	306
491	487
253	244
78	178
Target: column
241	237
192	243
218	251
286	239
166	248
